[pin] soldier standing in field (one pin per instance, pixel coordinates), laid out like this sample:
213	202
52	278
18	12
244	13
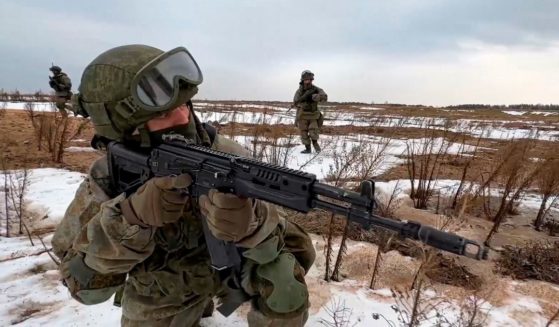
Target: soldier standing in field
308	117
62	85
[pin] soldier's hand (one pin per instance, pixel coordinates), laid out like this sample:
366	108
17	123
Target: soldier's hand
159	201
230	218
315	97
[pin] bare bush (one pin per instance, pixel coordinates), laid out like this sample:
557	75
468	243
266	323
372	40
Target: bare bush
414	309
39	96
3	106
513	169
16	96
386	208
552	226
534	260
4	95
473	312
19	182
467	158
6	174
423	159
281	150
548	183
384	239
340	171
53	130
360	161
339	314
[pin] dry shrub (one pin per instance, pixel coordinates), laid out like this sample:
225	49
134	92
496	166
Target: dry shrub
548	183
3	106
54	130
534	260
514	172
339	315
552	227
4	95
423	160
447	271
413	308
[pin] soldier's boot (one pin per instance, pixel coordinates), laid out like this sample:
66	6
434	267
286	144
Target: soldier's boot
307	149
316	146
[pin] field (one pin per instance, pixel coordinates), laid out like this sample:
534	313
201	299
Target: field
485	174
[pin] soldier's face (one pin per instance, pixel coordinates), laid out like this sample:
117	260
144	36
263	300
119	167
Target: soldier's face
307	82
175	117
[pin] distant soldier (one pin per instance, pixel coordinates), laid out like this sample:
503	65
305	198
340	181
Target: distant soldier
62	85
308	118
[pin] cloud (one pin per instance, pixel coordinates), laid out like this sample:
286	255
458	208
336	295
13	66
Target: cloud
411	51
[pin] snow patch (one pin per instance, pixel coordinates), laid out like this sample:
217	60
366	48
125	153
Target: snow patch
514	113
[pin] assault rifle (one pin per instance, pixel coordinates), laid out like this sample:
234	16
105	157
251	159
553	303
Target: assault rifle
129	168
307	96
54	84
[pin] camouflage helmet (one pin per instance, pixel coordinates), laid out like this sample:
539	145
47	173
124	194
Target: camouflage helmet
55	69
105	91
307	74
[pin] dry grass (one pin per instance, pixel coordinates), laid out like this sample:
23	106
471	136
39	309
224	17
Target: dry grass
535	260
21	147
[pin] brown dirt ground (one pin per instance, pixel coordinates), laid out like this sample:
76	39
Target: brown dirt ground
19	145
397	271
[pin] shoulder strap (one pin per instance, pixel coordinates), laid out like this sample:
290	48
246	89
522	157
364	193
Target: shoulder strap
212	131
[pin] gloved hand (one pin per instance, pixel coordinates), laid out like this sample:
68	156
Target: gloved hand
307	96
230	218
159	201
315	97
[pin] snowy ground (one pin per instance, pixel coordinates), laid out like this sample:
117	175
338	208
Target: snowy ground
31	294
37	106
364	116
520	113
491	129
388	151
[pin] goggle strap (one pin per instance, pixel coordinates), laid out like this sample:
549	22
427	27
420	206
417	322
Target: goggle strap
100	118
145	140
128	108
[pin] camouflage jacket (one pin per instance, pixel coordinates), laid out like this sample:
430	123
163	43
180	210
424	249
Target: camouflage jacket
62	84
164	268
307	108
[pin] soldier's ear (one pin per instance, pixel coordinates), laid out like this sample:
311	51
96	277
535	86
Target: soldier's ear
77	106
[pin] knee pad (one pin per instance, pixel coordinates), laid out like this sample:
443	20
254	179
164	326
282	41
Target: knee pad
276	280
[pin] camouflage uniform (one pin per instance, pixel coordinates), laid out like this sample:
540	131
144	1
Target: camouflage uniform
62	86
308	117
164	273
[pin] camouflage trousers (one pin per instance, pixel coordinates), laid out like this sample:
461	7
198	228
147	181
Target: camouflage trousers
60	103
309	130
193	315
163	298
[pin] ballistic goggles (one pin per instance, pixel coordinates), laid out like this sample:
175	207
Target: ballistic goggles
157	85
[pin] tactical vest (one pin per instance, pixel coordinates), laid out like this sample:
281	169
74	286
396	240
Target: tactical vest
309	105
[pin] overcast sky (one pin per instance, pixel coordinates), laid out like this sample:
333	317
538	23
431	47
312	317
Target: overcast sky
433	52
